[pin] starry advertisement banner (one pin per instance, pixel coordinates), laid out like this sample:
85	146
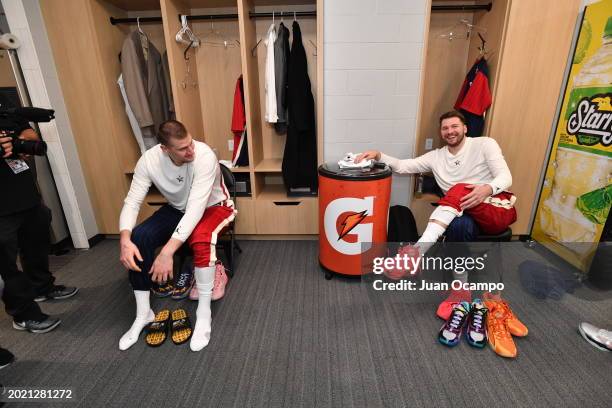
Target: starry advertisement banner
576	194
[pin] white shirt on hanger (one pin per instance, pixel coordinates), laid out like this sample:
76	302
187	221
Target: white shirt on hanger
271	110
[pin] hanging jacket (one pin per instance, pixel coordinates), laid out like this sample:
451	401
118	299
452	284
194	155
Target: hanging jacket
300	156
475	97
281	65
240	155
145	85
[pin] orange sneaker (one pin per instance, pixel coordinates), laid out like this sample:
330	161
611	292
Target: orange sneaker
515	326
498	334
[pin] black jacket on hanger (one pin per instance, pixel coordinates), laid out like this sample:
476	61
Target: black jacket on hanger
300	156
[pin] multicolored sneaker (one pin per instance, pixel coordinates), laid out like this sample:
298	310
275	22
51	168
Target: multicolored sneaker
184	283
498	333
446	306
450	333
475	332
163	290
221	280
515	326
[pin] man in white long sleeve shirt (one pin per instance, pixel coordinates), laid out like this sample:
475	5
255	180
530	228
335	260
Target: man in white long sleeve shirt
473	175
187	174
471	172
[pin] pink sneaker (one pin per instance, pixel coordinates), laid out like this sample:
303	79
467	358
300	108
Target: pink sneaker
220	281
193	293
456	296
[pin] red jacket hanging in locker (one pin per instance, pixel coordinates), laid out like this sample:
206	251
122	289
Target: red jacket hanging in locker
475	97
240	155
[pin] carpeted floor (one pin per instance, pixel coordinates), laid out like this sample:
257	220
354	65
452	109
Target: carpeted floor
285	337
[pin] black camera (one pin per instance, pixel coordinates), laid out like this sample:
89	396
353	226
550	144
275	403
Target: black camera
12	119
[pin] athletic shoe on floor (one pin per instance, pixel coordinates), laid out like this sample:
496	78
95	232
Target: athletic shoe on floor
44	325
183	284
6	358
599	338
411	252
475	331
515	326
163	290
450	333
446	307
58	292
498	334
220	281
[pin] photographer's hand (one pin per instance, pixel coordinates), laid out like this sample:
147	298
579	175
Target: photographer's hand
128	251
31	135
7	144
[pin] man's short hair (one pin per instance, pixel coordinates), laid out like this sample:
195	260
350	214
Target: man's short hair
453	114
171	129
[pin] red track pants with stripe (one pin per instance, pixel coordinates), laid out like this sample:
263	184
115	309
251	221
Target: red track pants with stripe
203	239
493	215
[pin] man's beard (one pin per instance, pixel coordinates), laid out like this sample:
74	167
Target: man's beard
458	138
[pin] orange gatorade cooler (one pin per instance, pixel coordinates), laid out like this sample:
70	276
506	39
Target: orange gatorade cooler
353	209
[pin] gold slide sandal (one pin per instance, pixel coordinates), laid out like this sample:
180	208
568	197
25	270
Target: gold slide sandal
157	330
181	327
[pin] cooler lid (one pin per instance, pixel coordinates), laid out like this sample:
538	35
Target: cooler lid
332	170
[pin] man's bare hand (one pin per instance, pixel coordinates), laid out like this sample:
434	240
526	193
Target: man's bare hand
128	251
479	193
369	155
161	270
7	144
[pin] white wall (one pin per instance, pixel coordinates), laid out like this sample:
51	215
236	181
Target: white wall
373	54
26	22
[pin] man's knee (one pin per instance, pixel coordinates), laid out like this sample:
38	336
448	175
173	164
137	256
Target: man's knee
141	237
202	252
462	229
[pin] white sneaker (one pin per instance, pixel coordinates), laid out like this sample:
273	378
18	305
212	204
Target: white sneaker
600	338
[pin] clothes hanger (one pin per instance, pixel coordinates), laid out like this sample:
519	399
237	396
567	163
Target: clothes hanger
315	47
186	36
261	39
187	79
214	38
142	33
483	52
461	30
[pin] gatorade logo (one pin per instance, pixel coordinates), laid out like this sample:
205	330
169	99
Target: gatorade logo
351	213
591	122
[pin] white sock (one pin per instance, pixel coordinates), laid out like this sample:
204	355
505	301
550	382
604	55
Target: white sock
144	316
434	230
205	278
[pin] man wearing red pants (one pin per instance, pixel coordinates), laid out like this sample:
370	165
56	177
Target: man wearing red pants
187	174
471	172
